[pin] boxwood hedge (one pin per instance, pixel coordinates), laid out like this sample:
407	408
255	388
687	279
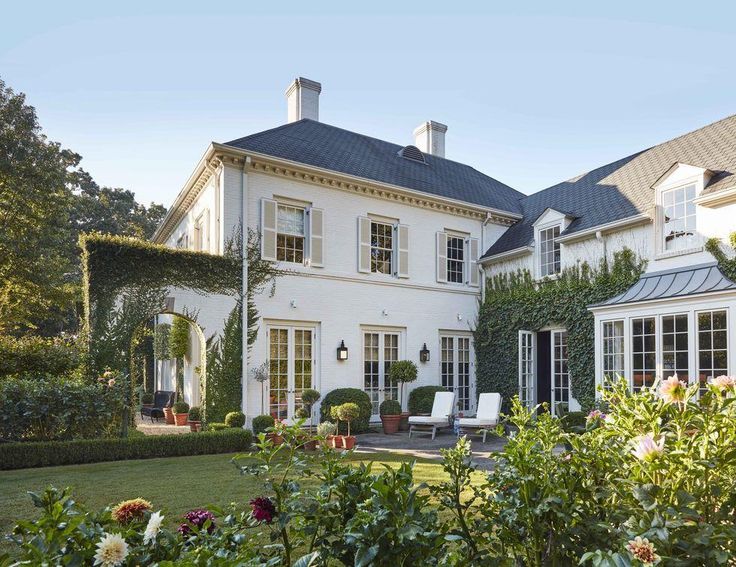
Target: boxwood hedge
53	453
342	396
422	398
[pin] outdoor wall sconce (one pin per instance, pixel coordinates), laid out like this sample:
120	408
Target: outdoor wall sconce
342	351
424	354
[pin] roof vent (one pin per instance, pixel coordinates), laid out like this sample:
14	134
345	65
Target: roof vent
413	153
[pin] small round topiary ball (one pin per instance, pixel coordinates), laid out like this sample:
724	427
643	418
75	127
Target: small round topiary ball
235	419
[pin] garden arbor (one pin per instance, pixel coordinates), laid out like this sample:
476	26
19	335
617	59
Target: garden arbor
128	282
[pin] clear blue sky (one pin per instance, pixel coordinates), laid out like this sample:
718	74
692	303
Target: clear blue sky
533	93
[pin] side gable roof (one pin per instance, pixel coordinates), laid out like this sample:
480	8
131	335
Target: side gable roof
623	188
328	147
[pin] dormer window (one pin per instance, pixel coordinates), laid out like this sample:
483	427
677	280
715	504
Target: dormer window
549	252
678	220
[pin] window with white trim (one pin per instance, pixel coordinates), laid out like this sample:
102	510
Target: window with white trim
455	259
678	219
382	247
644	349
712	346
614	356
675	358
290	234
549	252
527	374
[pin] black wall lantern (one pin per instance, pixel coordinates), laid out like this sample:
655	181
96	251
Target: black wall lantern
424	354
342	351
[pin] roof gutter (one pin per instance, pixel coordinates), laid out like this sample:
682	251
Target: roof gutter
641	218
507	255
718	198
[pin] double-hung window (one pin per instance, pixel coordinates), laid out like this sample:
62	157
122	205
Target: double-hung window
712	346
549	252
678	219
290	233
614	361
382	247
675	359
455	259
644	347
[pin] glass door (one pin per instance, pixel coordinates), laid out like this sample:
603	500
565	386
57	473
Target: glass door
455	369
291	365
527	369
560	373
380	351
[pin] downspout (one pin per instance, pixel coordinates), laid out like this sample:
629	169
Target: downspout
244	296
480	264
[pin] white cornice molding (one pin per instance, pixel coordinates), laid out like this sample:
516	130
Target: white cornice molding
220	154
717	199
642	218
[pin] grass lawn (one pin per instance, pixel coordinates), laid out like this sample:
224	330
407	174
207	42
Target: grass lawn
174	485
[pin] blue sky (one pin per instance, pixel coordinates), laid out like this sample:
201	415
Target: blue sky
533	93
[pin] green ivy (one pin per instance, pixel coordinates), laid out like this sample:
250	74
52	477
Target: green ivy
726	264
179	338
224	369
161	341
514	302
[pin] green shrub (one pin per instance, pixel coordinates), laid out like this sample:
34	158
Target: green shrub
574	420
403	371
310	397
390	407
180	406
161	335
35	357
195	414
422	398
47	454
179	338
261	423
342	396
217	426
48	410
302	413
147	398
235	419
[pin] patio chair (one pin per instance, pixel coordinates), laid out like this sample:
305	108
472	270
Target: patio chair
489	410
161	399
442	408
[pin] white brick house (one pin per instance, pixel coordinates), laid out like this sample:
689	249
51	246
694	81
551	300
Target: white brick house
386	247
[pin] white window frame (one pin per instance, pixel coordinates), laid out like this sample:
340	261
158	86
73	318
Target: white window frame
305	232
463	262
614	354
530	338
202	232
540	263
382	376
697	341
392	250
455	338
661	252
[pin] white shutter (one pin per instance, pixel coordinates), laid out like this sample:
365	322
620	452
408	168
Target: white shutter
442	257
402	247
316	234
269	209
364	245
471	253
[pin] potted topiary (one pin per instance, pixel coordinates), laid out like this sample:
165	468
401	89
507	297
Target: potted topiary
390	411
403	372
147	399
235	419
337	438
309	398
347	412
195	419
326	430
181	411
262	423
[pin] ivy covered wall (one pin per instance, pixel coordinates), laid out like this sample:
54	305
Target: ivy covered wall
514	302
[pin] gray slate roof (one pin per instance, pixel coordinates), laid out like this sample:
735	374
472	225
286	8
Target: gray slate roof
686	281
624	188
321	145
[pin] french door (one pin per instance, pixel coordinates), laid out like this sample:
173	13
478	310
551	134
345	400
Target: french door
544	375
560	372
380	351
292	363
527	368
455	369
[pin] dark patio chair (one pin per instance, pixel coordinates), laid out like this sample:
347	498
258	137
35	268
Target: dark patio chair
161	399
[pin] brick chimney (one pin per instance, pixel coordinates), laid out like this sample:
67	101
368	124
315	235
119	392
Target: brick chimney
302	99
430	138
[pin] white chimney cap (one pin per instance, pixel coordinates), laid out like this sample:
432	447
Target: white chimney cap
430	138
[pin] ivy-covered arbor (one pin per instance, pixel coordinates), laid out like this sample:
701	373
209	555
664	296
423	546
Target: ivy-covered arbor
128	281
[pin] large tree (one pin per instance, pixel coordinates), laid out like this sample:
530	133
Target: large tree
46	200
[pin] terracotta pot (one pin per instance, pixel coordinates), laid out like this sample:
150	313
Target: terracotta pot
335	441
169	416
404	424
390	423
275	439
195	426
181	418
348	441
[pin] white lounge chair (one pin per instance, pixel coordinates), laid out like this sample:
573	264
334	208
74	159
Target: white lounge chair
442	408
489	411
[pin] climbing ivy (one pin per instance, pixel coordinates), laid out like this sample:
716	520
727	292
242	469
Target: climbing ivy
514	302
224	368
726	264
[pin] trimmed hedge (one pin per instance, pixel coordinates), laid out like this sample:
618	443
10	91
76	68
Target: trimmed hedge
343	396
261	423
422	398
37	356
54	453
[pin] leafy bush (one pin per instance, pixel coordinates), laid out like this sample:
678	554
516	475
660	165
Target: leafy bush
235	419
147	397
422	398
179	338
195	414
33	357
217	426
180	406
161	349
574	420
326	428
53	453
302	413
261	423
353	395
46	410
403	371
347	413
390	407
310	397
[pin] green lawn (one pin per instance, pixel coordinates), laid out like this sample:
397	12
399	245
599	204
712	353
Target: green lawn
174	485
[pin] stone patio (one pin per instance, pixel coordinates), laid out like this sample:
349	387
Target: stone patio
145	426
